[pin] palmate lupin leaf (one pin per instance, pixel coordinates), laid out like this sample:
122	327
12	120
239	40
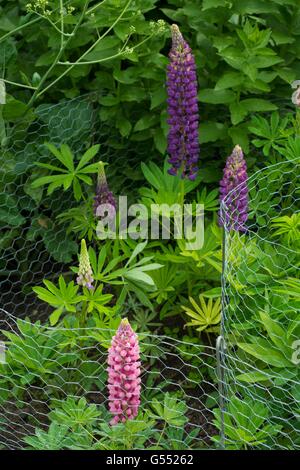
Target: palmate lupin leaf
205	315
64	297
246	424
288	228
68	175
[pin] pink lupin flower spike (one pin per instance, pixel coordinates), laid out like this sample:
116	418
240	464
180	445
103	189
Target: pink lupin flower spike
124	374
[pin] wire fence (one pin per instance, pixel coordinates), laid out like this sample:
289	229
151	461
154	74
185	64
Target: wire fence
34	241
260	324
60	375
53	381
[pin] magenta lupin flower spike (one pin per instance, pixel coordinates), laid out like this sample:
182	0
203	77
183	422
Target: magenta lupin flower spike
234	192
103	194
183	141
124	374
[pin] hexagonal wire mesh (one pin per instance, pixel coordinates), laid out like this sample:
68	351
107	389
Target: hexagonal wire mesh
260	387
260	324
42	380
38	377
34	243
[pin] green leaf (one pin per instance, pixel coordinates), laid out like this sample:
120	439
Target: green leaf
238	112
160	141
254	377
172	411
158	97
208	4
145	122
13	109
109	100
275	332
211	131
67	157
258	104
239	136
138	275
262	351
9	212
55	316
229	80
216	96
87	156
124	125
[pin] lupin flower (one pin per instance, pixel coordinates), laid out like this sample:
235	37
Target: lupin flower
234	192
183	142
103	193
123	374
85	274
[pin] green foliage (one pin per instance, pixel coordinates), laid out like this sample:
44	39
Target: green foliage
274	350
205	315
246	424
75	414
270	134
288	229
132	434
171	411
104	67
70	175
244	47
64	297
56	438
33	354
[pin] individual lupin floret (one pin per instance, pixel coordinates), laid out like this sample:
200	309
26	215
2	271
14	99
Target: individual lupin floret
124	374
85	273
183	140
234	192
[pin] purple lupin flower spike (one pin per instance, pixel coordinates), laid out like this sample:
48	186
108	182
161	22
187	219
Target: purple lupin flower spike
85	273
103	194
124	374
234	192
183	141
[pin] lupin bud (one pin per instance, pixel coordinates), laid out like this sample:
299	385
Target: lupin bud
85	274
103	193
234	192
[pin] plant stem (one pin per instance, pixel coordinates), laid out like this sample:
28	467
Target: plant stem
182	192
162	433
18	84
60	52
89	62
78	61
84	314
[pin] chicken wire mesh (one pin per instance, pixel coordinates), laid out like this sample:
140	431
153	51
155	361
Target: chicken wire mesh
260	323
34	242
258	371
60	374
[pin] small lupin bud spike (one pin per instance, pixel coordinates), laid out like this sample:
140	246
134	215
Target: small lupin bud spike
85	274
